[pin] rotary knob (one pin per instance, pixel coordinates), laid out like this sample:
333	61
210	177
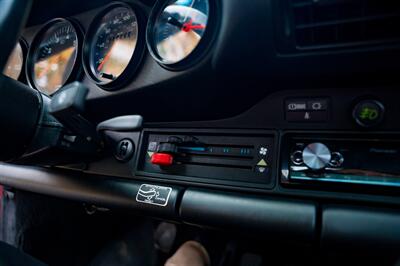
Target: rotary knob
316	156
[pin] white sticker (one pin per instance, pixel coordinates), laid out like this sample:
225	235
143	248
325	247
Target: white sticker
154	195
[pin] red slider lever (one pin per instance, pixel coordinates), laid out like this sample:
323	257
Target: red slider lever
162	159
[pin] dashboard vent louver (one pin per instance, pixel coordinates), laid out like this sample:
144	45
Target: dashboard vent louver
319	24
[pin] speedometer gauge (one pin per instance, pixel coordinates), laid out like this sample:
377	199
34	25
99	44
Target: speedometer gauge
52	57
113	45
176	28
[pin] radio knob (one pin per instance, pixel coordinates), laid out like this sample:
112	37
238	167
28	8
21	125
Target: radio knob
337	159
316	156
297	157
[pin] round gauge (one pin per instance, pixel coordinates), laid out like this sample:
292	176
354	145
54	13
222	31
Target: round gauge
113	45
15	62
52	57
176	29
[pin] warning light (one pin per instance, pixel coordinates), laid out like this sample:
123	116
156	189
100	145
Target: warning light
368	113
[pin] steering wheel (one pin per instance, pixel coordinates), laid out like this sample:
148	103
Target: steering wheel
13	15
20	105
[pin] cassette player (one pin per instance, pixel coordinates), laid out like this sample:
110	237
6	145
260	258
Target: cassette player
342	160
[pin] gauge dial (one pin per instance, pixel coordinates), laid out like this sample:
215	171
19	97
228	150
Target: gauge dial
112	44
15	63
54	56
177	29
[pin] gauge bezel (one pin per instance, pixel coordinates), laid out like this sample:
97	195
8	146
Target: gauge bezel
25	48
133	66
76	72
199	51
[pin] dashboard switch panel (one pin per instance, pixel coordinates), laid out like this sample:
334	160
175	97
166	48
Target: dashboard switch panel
244	159
307	110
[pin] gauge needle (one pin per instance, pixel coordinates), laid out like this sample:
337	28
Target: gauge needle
106	58
107	76
186	27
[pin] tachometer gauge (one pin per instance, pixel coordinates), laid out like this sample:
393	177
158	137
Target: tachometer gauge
53	55
113	46
15	62
176	29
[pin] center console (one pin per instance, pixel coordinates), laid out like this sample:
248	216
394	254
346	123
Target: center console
314	143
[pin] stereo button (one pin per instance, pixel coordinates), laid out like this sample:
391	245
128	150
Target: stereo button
297	158
336	159
317	105
296	105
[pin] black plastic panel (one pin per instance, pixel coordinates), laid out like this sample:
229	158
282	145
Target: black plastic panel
223	157
98	190
365	229
240	68
315	25
270	112
272	218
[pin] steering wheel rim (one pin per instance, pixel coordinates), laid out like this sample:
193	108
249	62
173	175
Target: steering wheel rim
20	105
13	16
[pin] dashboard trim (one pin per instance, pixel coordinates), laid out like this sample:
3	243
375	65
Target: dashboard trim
77	186
208	181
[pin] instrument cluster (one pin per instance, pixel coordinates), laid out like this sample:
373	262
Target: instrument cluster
176	34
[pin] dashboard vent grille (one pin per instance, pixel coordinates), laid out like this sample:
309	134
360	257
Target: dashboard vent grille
319	24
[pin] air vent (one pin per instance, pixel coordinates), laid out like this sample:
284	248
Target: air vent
319	24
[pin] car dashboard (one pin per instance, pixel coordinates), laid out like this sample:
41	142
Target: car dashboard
279	118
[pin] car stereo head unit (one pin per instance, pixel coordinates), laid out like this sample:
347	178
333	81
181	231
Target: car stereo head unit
341	160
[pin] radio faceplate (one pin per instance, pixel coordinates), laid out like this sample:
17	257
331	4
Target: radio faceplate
341	159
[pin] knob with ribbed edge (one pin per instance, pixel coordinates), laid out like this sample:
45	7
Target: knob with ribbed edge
316	156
